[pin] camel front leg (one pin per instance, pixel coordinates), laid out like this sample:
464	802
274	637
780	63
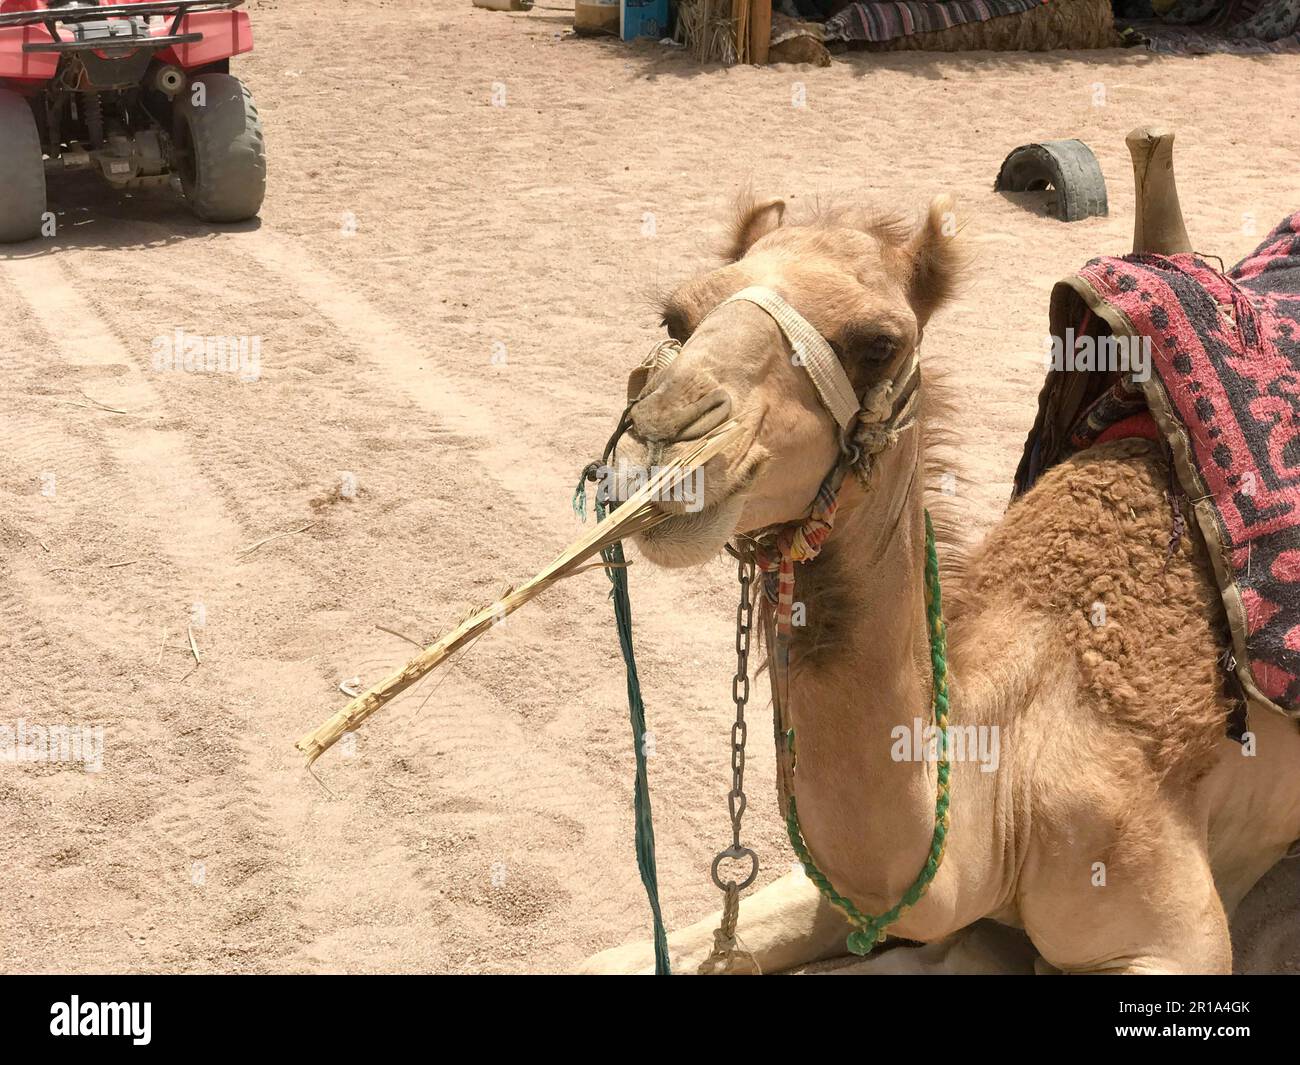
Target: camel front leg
785	924
1151	907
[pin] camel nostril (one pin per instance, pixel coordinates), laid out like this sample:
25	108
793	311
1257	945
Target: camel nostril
662	416
705	414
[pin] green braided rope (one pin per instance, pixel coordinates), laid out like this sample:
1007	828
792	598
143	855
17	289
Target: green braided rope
870	930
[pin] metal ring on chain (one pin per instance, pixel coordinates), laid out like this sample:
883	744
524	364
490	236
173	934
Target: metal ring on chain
735	854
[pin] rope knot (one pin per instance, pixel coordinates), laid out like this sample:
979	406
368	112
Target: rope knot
878	403
729	954
873	439
863	941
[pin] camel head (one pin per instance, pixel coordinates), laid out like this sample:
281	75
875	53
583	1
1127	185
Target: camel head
867	284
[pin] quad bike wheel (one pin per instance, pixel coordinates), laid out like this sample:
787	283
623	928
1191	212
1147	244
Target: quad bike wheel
22	170
219	151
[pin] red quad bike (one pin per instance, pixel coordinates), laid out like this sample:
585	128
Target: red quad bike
139	91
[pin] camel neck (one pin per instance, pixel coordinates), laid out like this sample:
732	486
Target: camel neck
859	701
859	667
860	695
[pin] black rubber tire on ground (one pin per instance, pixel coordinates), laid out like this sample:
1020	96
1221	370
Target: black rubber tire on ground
1069	167
22	170
220	153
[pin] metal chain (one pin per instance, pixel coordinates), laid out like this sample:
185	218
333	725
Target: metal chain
728	953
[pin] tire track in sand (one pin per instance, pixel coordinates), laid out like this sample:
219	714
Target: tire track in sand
537	485
328	888
205	837
509	472
448	850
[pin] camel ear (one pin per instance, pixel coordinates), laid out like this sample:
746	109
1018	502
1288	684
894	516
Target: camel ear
936	259
753	221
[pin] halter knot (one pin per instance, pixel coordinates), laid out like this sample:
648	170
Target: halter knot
878	403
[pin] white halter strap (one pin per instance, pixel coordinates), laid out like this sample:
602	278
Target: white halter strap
867	427
811	350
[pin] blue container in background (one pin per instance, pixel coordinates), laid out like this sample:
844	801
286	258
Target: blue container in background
643	18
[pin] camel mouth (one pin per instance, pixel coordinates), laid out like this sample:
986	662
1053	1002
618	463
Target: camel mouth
693	537
697	529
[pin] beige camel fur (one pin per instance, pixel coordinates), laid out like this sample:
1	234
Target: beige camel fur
1121	826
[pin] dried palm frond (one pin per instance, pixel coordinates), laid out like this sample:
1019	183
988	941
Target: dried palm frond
708	29
639	513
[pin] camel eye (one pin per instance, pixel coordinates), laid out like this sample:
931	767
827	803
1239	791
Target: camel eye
870	347
878	349
676	327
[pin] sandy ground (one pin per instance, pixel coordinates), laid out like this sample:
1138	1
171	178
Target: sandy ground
413	233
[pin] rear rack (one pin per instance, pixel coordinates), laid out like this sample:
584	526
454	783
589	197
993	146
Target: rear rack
51	17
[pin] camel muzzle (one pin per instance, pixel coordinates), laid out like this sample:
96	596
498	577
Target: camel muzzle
658	418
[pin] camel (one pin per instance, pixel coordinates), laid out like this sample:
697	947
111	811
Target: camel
1121	826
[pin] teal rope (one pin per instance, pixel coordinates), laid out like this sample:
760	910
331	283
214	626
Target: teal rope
616	571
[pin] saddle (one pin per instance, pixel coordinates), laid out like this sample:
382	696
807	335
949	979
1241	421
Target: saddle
1206	362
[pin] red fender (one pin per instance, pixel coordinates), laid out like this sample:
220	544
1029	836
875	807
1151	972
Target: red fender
225	33
20	65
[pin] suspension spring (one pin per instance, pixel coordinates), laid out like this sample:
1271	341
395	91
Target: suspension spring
93	110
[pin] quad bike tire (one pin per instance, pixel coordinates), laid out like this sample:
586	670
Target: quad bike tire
221	154
22	171
1069	167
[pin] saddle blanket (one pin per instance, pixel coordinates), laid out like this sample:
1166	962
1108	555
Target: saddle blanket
1207	362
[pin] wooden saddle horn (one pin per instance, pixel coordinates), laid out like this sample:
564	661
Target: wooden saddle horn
1158	227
